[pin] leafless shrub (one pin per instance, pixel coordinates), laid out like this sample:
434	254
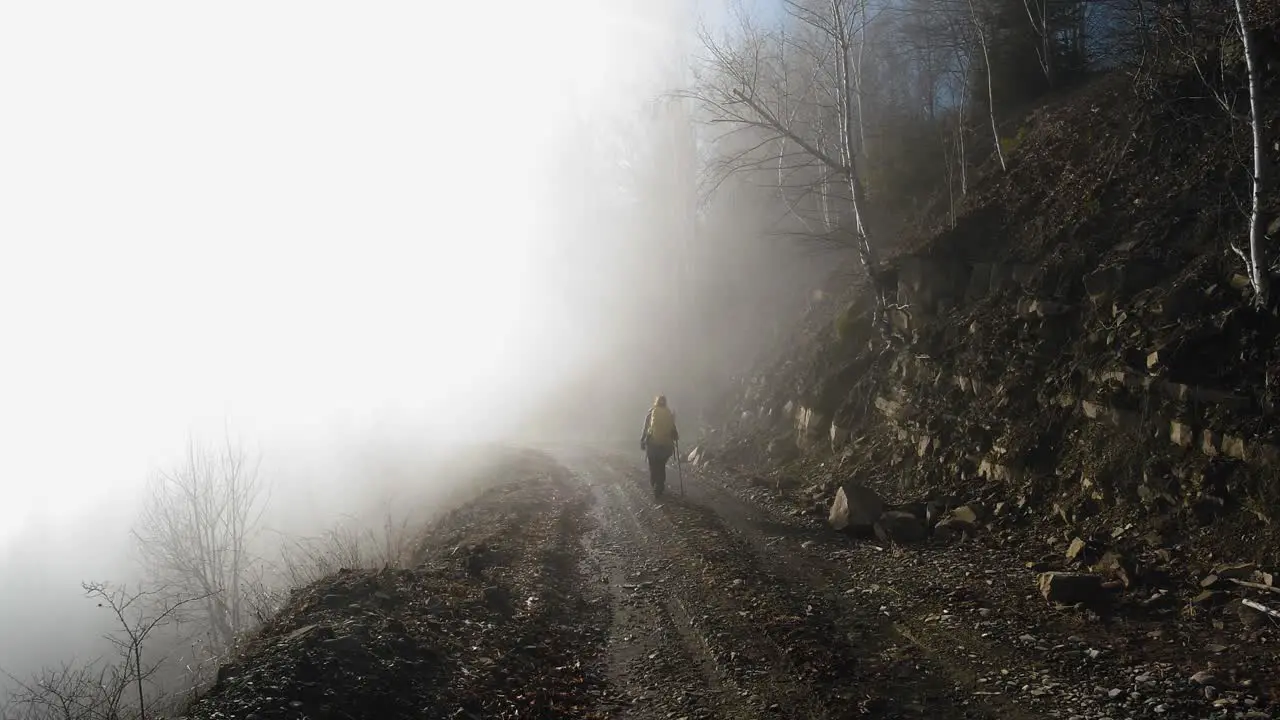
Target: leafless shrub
117	688
351	544
93	691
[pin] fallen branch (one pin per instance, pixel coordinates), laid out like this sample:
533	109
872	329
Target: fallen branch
1255	586
1262	608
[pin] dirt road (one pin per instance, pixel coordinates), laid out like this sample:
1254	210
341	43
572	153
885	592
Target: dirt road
725	606
714	617
572	593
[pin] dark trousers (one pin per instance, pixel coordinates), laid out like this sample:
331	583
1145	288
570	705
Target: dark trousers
658	457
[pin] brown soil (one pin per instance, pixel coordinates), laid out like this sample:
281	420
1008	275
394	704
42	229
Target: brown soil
572	593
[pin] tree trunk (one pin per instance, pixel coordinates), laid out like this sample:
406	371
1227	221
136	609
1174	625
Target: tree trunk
991	93
137	658
949	174
857	86
961	147
1041	29
824	186
844	84
1257	264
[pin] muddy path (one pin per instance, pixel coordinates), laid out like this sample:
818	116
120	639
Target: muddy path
714	619
727	606
570	592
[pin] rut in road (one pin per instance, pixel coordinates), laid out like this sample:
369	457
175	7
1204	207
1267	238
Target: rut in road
708	622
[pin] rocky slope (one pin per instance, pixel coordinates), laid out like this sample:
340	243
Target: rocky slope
1077	358
1080	340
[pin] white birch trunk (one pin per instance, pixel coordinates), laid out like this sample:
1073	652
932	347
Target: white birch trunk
991	93
1256	262
848	131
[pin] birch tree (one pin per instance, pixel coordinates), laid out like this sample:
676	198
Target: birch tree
991	92
748	87
1255	261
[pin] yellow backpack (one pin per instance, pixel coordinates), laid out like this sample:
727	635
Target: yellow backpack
662	426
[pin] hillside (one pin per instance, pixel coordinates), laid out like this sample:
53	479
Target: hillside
1097	268
1078	350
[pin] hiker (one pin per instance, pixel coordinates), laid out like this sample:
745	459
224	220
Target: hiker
658	441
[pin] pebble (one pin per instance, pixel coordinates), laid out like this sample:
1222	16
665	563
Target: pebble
1204	677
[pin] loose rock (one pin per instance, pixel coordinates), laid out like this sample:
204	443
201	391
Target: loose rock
855	509
1075	549
899	527
952	529
1070	588
1204	677
970	513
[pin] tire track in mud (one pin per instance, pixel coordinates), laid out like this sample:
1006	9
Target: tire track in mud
659	659
755	523
812	650
755	661
770	645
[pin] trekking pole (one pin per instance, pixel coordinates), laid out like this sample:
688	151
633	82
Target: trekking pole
679	468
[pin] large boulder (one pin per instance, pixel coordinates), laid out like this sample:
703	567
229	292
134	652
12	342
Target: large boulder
900	527
856	509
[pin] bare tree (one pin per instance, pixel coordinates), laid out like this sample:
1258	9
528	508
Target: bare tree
134	614
1255	261
102	690
749	85
1038	14
195	533
963	64
991	93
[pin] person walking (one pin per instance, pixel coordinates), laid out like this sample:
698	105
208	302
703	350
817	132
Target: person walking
658	441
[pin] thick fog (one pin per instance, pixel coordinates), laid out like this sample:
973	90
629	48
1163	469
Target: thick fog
360	242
